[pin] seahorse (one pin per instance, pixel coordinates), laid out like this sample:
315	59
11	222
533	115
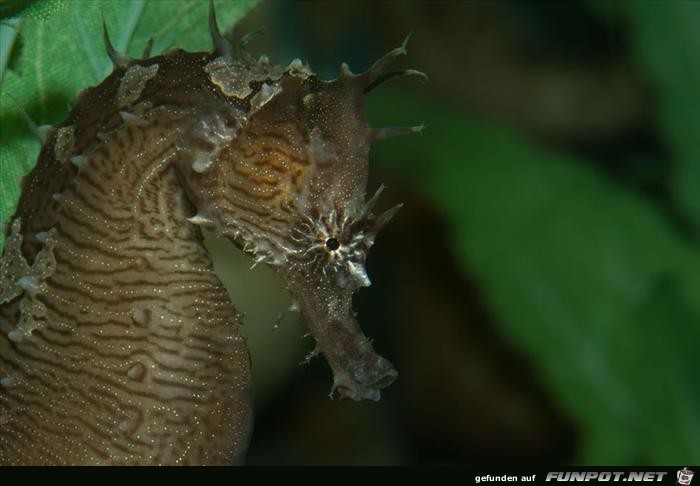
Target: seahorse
118	343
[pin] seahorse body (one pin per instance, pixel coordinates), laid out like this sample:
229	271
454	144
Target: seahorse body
118	343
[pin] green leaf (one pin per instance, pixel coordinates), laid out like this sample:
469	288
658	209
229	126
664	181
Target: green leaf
63	53
666	43
29	8
585	277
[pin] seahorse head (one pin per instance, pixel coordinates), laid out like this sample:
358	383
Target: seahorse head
280	167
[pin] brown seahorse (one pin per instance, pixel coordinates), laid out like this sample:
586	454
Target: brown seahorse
118	343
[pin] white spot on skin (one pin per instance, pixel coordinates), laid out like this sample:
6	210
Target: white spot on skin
130	423
201	162
78	161
320	150
29	284
262	97
233	78
142	263
131	119
213	131
258	260
310	355
133	83
359	274
18	278
200	220
15	335
136	372
43	132
8	381
64	143
296	64
141	316
345	70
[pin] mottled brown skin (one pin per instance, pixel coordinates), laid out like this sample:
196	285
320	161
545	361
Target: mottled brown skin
118	343
133	289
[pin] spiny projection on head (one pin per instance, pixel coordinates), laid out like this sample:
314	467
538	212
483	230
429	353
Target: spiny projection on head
118	343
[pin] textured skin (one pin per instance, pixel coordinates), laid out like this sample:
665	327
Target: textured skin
139	347
118	343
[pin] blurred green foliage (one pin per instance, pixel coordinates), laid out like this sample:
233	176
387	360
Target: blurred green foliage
41	9
59	51
665	41
588	279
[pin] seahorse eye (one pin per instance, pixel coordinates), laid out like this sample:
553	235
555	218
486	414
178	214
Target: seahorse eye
332	244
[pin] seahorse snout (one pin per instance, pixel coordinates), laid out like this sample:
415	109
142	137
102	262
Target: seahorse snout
359	372
366	376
